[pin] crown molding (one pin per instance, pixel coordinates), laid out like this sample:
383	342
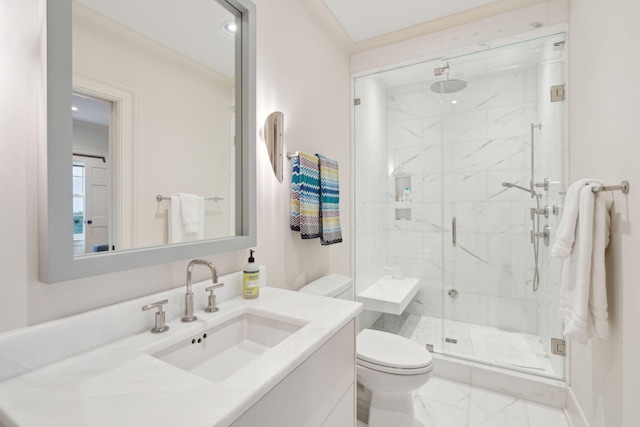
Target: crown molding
330	22
446	22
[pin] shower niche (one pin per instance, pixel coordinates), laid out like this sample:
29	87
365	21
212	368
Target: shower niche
403	198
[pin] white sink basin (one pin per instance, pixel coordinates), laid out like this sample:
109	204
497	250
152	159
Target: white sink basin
222	350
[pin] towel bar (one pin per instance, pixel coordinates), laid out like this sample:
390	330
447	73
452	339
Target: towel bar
624	187
160	198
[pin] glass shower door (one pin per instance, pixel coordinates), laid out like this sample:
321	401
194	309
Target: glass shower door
496	117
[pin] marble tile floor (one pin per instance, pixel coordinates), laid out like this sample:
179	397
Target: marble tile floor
446	403
520	350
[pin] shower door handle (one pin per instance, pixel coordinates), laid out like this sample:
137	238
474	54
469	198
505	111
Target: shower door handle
453	231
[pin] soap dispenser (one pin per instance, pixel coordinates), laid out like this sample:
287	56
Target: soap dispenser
251	278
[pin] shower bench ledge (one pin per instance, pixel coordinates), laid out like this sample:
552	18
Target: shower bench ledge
389	295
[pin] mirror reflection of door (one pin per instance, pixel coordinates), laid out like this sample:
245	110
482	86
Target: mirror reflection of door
92	198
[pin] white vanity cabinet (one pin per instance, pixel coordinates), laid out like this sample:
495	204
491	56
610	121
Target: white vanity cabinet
307	378
319	392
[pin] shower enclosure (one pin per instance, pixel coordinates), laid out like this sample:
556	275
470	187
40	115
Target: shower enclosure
459	175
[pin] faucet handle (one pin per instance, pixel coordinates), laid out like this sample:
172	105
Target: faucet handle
211	308
160	318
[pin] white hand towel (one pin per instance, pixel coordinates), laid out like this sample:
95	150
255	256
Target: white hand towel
583	299
177	229
192	211
566	232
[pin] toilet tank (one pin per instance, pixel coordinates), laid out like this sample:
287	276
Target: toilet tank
332	286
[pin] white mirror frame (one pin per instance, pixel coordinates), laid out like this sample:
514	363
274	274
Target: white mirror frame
56	259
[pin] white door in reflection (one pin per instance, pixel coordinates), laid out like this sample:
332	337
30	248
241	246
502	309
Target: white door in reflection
97	206
92	188
91	205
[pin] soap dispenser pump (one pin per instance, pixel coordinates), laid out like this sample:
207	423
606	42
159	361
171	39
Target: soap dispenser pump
251	278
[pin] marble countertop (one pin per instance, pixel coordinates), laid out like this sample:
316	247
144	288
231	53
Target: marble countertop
122	384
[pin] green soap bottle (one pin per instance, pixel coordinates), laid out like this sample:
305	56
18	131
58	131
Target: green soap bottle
251	278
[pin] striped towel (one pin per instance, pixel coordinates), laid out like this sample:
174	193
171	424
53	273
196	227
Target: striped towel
309	196
329	202
294	216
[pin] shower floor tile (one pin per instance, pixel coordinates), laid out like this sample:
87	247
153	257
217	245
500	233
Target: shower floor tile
493	345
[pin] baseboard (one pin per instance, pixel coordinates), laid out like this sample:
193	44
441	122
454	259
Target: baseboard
573	411
546	391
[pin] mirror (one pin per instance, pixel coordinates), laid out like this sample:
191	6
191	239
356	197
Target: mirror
151	123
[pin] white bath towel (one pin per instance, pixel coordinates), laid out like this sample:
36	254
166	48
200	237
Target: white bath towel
566	232
583	297
186	218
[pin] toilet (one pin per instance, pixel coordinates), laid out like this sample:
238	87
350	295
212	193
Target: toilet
389	366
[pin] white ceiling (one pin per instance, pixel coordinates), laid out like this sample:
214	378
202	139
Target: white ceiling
195	31
91	110
365	19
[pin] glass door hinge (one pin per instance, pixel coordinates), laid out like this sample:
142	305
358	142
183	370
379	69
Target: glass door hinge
558	346
557	93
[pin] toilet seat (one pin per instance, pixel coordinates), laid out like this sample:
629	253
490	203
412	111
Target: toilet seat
390	353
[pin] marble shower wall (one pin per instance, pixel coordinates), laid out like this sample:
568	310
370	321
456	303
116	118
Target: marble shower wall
457	157
370	195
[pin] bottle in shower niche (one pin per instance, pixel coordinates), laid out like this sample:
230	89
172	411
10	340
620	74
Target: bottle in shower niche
406	194
251	278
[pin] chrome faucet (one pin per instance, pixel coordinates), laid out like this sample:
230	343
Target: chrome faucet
188	297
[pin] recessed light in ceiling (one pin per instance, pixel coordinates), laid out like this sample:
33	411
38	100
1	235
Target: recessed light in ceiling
230	27
74	108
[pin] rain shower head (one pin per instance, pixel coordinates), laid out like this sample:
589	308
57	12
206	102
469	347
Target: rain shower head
448	86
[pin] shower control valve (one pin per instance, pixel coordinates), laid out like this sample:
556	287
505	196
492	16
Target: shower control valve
543	211
545	235
544	185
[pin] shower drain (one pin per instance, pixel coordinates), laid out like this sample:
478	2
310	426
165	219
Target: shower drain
451	340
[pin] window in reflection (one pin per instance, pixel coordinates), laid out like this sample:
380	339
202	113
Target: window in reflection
78	202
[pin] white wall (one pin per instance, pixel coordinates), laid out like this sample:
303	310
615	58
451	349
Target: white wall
303	73
605	143
90	139
306	77
19	129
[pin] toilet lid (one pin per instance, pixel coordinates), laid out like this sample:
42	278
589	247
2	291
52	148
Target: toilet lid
388	352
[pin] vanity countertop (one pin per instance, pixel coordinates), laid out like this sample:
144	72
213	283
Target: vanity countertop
122	384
